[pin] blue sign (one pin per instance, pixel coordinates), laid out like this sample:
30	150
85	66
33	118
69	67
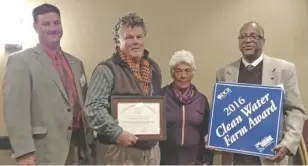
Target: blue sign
246	118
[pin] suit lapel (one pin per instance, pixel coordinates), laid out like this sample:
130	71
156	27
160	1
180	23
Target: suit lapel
269	78
268	72
233	71
46	62
75	68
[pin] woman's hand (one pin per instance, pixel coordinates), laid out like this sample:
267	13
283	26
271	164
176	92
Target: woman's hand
206	146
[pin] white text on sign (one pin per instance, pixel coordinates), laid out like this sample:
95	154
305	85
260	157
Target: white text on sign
248	110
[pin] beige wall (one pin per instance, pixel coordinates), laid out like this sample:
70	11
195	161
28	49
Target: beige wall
208	28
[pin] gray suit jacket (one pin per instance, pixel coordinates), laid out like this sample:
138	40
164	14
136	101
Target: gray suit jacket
37	112
275	71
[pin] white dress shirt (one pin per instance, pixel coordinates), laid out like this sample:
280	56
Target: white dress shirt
254	63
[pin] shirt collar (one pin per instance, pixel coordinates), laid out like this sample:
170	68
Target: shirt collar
51	53
254	63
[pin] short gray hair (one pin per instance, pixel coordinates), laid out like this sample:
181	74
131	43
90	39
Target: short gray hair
132	20
182	56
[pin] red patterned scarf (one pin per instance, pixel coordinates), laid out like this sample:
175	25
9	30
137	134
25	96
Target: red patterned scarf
143	74
186	96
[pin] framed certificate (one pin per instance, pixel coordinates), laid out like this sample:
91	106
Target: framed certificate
143	116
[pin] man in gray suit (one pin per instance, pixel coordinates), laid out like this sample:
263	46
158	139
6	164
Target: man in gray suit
257	68
44	89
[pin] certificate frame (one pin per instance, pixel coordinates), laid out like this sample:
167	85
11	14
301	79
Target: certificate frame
115	100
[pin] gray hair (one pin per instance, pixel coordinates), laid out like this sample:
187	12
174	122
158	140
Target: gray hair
132	20
182	56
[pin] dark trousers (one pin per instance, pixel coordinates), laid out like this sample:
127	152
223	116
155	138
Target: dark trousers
179	155
241	159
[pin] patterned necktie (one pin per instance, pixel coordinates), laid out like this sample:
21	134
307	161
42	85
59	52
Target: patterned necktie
68	82
250	67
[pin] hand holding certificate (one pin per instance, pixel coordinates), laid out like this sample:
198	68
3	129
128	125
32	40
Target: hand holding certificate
127	139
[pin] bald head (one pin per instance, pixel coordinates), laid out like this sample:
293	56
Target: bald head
251	40
254	25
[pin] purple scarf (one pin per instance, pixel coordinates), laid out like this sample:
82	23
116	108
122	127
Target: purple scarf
185	97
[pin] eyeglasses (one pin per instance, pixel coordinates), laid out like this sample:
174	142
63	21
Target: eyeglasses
252	37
